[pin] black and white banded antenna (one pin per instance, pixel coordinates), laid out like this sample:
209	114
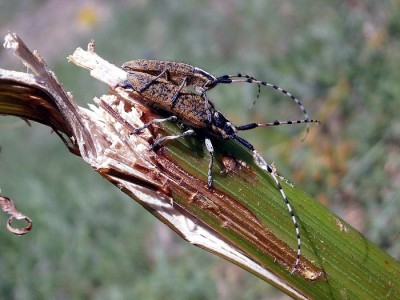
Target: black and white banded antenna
249	79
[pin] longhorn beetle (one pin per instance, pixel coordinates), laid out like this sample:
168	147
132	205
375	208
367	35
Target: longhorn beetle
182	74
203	120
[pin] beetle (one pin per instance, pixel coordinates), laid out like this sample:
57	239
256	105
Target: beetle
182	74
202	119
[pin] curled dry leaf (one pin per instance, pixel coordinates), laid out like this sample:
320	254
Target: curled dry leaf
8	206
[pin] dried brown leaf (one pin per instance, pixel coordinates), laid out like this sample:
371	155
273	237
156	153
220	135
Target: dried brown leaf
8	206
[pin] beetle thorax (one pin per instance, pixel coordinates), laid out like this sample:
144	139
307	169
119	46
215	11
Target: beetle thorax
221	126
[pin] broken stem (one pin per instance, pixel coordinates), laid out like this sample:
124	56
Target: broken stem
243	219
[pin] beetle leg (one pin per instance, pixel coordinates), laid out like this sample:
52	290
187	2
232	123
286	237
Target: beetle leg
161	140
146	86
154	121
178	91
210	150
207	107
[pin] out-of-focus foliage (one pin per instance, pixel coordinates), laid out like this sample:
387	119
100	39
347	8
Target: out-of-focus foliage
341	58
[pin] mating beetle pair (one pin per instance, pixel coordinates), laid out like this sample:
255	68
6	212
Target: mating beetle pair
162	85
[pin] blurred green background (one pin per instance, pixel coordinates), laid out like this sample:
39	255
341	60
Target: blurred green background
341	58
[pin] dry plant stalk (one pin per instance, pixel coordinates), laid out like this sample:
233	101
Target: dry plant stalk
102	137
213	220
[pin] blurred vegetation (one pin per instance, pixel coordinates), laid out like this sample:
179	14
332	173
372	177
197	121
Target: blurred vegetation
342	58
